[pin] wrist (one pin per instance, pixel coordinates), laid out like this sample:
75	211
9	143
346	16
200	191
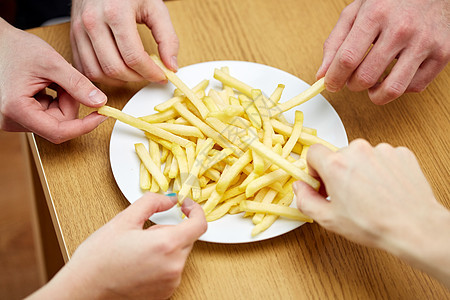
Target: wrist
423	242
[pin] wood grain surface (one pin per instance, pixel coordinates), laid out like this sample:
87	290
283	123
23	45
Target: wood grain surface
309	262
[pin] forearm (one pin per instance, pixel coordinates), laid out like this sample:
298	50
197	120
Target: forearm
424	242
67	284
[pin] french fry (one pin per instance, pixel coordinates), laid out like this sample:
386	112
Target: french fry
274	209
144	178
224	208
295	134
233	171
156	157
137	123
182	87
144	155
233	82
301	98
160	117
179	129
273	157
191	181
206	129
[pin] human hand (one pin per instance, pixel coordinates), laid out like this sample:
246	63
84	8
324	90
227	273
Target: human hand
28	66
379	197
106	44
414	31
123	260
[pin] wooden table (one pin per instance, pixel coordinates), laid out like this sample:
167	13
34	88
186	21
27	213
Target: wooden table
308	262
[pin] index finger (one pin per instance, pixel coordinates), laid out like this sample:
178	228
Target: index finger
317	159
49	127
351	52
132	50
192	228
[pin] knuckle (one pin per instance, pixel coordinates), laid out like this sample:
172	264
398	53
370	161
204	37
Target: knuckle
133	59
89	20
366	78
361	145
111	12
347	58
76	81
384	147
394	90
113	71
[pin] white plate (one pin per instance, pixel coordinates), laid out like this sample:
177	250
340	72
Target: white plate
318	113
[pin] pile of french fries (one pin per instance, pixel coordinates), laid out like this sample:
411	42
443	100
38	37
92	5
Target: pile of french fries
231	150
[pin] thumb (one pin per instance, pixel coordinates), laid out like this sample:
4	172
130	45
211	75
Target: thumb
77	85
140	211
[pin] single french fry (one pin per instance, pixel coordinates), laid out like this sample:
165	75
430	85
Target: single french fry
303	155
276	95
274	209
137	123
144	155
172	77
273	157
181	159
156	157
212	174
173	170
295	134
233	82
144	177
309	139
301	98
234	170
168	164
160	116
210	104
212	202
179	129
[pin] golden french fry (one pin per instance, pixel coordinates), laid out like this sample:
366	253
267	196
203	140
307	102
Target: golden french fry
137	123
224	208
144	177
192	178
144	155
156	157
197	102
273	157
295	134
301	98
206	129
274	209
179	129
233	82
160	117
233	171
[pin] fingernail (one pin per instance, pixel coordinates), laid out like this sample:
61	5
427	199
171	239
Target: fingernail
173	197
174	63
97	97
295	186
188	202
103	119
